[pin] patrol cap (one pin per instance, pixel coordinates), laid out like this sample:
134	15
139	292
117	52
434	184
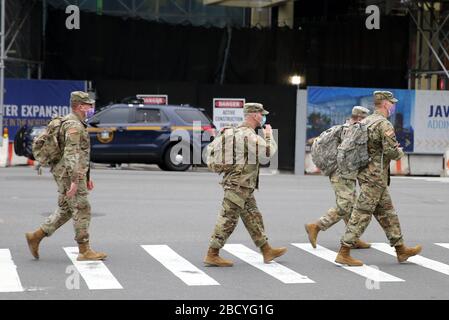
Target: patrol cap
360	111
253	107
384	95
81	96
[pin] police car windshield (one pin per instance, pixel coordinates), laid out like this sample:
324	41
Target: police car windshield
191	115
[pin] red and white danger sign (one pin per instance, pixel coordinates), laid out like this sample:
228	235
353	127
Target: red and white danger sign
228	112
155	99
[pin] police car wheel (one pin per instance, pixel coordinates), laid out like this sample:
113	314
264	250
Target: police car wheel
173	159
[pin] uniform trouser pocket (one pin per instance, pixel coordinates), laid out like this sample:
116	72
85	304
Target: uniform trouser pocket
237	205
76	207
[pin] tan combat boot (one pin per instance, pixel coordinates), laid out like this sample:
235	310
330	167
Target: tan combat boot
270	253
212	259
312	230
343	257
86	253
403	252
360	244
33	239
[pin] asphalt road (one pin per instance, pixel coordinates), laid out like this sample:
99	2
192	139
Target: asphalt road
174	214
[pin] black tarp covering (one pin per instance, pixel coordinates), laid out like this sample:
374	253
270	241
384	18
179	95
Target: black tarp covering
335	53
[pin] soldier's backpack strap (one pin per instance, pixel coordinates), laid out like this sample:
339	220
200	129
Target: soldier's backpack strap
376	122
60	128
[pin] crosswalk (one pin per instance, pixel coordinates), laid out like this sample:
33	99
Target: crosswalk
419	260
97	275
364	271
427	179
9	278
180	267
274	269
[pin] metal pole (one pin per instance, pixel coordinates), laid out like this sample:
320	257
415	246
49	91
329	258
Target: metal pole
225	62
301	131
2	66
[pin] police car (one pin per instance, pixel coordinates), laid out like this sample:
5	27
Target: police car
139	133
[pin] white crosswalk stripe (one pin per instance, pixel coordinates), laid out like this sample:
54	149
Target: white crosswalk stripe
9	278
427	179
364	271
274	269
444	245
419	260
179	266
95	273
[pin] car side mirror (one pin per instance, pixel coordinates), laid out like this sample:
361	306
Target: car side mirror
94	122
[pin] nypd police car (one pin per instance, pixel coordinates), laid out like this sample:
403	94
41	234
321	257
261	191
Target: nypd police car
140	133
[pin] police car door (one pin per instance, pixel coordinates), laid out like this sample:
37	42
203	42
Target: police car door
108	136
149	130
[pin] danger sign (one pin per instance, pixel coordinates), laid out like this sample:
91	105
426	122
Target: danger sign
154	99
228	112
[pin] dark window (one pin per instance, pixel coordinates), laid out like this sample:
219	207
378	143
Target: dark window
192	115
116	115
149	115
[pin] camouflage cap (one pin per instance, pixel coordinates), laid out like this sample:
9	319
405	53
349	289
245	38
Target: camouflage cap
252	107
81	96
384	95
360	111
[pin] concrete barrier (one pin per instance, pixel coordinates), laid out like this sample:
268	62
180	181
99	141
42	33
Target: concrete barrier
425	164
400	167
4	149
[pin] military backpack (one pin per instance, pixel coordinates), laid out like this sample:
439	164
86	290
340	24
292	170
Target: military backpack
352	153
324	150
220	153
47	148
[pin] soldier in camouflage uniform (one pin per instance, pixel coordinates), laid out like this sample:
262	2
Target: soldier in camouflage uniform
374	198
72	177
345	192
239	185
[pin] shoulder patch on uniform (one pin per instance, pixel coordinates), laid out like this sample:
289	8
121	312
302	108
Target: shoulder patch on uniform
389	133
73	131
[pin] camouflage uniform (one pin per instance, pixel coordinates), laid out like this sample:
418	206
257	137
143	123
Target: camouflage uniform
239	186
344	185
374	198
74	166
345	195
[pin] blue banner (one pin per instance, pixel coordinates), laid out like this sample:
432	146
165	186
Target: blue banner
34	102
329	106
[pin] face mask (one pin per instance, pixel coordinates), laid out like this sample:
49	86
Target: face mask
264	120
90	112
392	110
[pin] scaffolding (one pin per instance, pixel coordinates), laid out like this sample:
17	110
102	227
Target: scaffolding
429	45
171	11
